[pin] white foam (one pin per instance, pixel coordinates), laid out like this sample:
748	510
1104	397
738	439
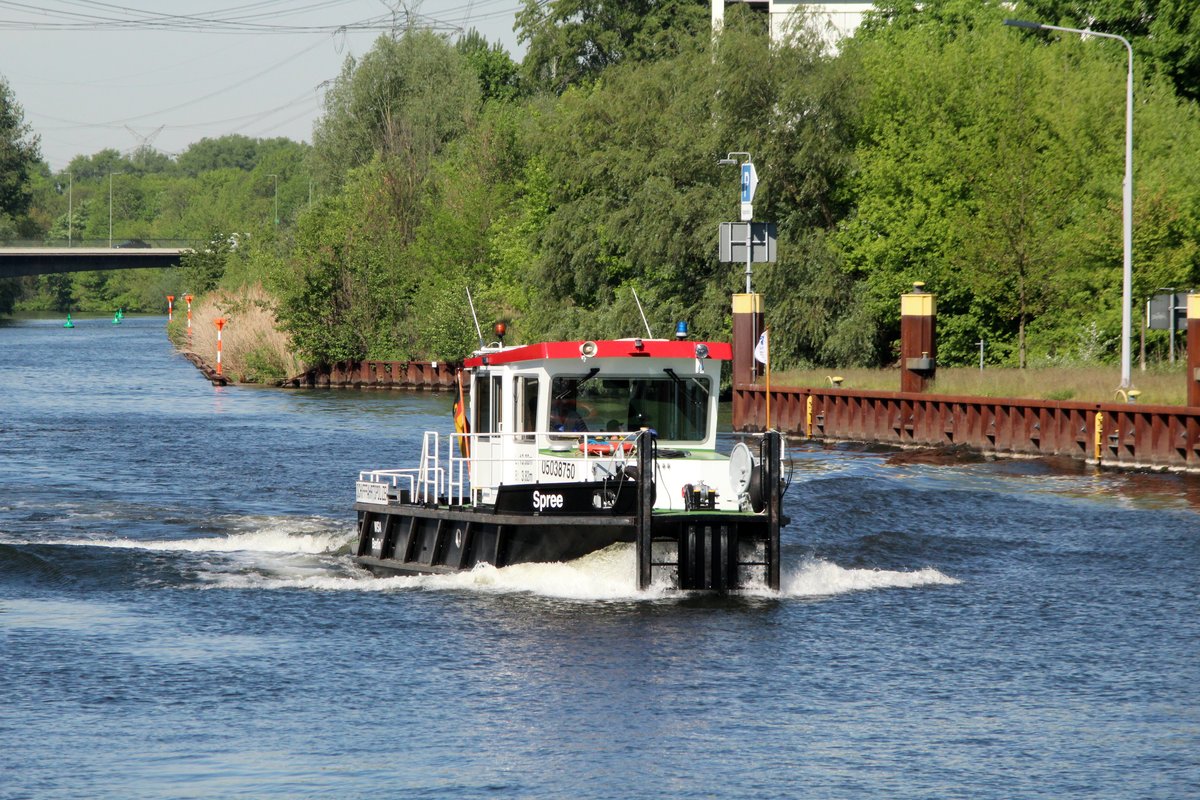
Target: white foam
606	575
263	534
818	578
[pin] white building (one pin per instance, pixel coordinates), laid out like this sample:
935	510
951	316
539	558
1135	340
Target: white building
837	19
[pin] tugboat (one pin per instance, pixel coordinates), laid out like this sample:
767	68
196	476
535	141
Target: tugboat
565	448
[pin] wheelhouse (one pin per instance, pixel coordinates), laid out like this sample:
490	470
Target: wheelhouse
572	401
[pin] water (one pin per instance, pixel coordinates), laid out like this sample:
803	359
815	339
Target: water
179	618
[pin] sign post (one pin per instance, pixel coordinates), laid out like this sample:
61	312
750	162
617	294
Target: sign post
749	186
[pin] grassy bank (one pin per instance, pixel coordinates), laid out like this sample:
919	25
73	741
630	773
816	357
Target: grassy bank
1160	385
252	350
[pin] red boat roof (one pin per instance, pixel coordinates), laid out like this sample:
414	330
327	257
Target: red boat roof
606	348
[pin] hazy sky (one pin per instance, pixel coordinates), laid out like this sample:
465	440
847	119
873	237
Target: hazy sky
92	75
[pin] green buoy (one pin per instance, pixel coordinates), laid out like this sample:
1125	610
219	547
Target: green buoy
68	323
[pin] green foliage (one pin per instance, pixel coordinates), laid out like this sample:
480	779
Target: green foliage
263	364
937	145
203	267
499	76
1002	192
18	155
230	152
405	100
1165	34
572	41
342	291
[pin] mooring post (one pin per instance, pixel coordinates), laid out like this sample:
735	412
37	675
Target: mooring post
645	508
1193	349
771	455
918	339
747	326
170	307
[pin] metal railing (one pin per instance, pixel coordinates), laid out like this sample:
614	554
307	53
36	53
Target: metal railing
426	482
93	243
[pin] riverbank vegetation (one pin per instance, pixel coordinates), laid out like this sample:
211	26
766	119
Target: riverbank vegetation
253	349
936	145
1157	385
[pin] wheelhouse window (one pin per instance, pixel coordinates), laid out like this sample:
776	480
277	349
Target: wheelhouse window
674	406
526	404
487	403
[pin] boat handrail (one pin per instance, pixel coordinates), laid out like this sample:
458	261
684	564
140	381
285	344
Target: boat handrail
391	477
586	447
431	474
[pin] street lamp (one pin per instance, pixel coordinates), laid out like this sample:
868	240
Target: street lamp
276	177
70	205
110	176
1127	294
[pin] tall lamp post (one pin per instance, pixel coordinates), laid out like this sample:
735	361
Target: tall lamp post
1127	294
70	206
110	177
276	177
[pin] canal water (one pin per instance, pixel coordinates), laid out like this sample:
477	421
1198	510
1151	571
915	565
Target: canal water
179	617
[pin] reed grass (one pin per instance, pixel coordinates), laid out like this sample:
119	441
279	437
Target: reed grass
253	350
1158	384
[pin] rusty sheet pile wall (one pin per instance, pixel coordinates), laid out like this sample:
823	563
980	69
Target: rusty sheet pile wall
1117	434
379	375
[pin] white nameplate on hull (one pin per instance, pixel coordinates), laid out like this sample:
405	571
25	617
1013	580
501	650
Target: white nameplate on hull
371	492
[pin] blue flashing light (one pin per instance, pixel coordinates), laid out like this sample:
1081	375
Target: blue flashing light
681	330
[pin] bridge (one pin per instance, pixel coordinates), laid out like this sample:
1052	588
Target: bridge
19	261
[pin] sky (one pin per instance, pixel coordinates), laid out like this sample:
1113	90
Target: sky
94	75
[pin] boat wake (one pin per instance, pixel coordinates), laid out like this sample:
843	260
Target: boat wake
818	578
241	533
311	554
604	576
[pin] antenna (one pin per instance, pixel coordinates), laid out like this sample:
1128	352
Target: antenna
478	330
649	335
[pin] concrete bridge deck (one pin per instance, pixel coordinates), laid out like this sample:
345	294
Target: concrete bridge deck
18	261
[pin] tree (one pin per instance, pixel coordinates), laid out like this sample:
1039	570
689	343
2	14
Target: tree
100	165
342	291
499	76
978	187
19	153
405	100
570	41
225	152
1165	33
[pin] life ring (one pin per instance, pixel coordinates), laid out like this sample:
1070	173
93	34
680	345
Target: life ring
601	447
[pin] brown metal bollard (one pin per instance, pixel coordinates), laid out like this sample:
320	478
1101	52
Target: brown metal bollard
918	339
1193	348
748	325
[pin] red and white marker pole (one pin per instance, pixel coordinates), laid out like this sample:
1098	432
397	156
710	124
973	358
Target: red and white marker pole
220	323
188	297
170	307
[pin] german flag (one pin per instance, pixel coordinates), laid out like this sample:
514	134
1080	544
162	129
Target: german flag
460	421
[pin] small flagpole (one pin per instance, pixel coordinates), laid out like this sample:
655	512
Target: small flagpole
768	384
